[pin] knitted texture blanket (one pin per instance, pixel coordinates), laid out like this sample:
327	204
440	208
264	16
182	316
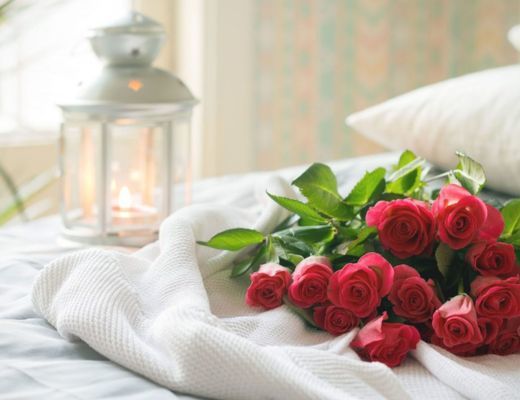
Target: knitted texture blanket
171	312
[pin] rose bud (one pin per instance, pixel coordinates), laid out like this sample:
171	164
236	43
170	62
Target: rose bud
268	286
508	339
459	215
455	322
406	227
359	287
334	319
412	297
493	259
310	280
495	297
385	342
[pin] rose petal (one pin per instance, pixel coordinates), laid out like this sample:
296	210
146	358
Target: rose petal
493	225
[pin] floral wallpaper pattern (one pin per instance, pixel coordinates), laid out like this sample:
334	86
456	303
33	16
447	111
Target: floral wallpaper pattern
316	61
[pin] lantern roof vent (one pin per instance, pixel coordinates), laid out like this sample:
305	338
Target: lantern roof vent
128	85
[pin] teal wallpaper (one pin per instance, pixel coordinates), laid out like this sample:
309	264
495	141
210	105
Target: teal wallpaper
316	61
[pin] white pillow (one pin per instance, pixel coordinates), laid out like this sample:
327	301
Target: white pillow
478	114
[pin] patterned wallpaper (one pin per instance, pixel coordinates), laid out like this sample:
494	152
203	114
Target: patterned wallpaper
319	60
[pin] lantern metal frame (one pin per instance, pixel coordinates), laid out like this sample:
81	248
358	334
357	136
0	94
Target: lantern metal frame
128	91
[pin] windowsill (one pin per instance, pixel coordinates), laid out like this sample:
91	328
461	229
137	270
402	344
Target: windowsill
17	139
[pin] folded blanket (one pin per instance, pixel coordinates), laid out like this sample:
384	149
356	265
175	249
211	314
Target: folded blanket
171	313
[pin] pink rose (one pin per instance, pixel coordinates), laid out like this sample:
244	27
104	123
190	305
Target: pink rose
406	227
493	225
493	259
385	342
268	286
455	322
459	215
310	280
359	287
412	297
496	298
508	339
334	319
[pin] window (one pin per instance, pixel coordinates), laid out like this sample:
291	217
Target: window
43	54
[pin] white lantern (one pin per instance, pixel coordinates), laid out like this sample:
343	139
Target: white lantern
125	141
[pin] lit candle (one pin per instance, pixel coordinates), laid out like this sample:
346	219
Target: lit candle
127	212
125	198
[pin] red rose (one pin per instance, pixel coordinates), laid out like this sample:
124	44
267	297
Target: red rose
385	342
268	286
359	287
507	342
334	319
493	225
495	297
310	280
493	259
489	327
412	297
406	227
508	339
464	350
455	322
459	215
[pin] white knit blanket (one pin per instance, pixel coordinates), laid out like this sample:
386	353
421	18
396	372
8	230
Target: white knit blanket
171	313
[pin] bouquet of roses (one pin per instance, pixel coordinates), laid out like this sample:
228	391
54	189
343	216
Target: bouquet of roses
395	258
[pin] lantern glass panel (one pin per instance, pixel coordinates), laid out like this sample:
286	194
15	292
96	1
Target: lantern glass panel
136	176
80	160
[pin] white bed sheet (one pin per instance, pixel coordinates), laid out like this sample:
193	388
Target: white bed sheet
35	362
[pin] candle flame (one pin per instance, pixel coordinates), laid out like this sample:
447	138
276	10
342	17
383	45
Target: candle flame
135	85
125	198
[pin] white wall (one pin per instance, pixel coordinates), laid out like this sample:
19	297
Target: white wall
210	46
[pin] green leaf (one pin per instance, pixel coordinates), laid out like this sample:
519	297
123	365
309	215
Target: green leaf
511	214
309	234
241	268
280	248
261	256
318	184
469	173
286	223
444	257
297	207
514	239
348	247
406	169
357	251
290	245
295	258
271	254
368	188
234	239
409	182
283	251
406	158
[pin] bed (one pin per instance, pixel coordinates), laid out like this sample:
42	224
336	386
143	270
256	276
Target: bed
37	362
